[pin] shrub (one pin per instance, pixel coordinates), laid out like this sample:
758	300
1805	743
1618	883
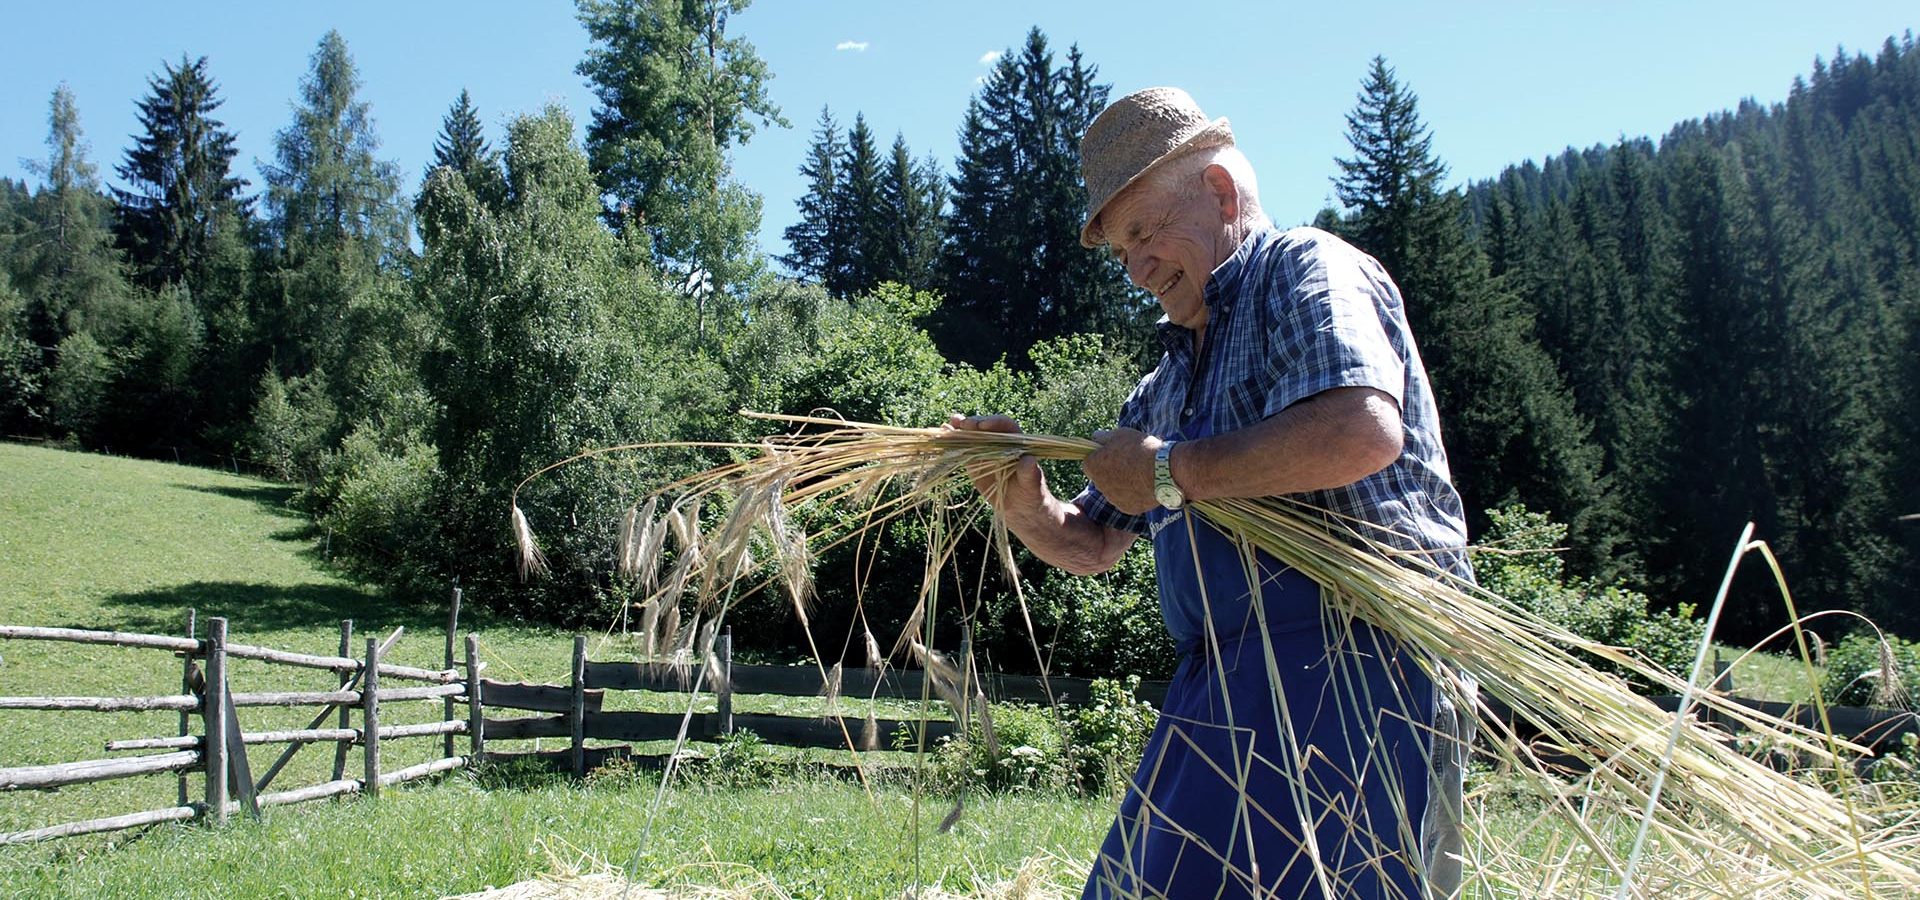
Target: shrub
379	502
293	425
1110	732
1086	748
740	760
1856	675
1106	624
1524	567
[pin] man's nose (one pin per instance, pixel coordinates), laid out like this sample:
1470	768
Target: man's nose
1139	266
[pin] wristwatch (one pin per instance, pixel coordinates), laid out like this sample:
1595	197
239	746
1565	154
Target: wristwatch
1165	492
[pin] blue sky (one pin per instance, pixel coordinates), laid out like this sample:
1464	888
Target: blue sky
1498	82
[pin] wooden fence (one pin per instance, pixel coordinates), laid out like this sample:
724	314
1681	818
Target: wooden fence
218	747
576	710
581	715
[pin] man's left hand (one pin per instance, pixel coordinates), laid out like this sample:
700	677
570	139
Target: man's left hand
1123	468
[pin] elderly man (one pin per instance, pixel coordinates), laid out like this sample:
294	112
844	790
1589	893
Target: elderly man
1299	755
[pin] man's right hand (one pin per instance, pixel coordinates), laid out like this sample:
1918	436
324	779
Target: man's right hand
1056	531
1021	493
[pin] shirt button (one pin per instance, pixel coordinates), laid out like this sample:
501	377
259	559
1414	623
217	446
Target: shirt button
1187	412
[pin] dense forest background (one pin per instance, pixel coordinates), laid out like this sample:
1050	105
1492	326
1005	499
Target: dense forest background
1652	342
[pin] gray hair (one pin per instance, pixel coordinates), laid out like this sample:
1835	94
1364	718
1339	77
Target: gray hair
1181	178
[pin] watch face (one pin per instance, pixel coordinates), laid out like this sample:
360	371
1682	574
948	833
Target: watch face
1168	496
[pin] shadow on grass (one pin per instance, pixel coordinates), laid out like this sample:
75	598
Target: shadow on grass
250	607
273	497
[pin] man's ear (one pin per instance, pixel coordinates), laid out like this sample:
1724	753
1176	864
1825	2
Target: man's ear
1225	194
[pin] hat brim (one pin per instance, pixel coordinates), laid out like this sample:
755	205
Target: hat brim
1217	134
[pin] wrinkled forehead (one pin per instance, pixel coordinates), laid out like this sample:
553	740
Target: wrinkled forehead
1132	212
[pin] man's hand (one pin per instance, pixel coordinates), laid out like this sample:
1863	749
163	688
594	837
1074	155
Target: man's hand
1017	494
1123	468
1055	530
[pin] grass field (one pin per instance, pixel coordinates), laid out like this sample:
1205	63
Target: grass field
102	542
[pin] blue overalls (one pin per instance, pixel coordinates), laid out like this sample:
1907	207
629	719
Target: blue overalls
1353	766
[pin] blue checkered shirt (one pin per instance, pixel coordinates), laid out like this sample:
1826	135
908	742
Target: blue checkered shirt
1291	314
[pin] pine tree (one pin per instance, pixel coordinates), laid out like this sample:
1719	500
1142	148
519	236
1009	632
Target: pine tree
676	94
1014	270
462	146
817	242
1513	434
858	203
185	209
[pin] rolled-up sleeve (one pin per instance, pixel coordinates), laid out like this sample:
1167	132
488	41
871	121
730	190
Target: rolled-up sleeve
1327	331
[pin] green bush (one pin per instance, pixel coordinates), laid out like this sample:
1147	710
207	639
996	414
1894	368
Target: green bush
293	426
1523	566
1086	748
376	500
1854	671
741	759
1106	624
1110	732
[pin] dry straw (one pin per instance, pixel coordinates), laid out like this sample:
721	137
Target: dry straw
1606	764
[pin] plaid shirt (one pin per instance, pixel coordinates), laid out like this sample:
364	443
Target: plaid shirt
1289	315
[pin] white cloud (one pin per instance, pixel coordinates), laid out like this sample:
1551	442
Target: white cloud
855	46
990	57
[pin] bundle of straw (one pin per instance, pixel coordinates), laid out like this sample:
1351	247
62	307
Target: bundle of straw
1725	825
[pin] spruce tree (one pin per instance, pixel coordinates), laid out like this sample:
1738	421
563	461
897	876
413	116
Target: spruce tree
185	209
816	244
462	146
857	200
1512	431
912	196
1013	267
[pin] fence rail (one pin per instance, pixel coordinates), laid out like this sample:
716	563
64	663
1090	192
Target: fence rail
581	715
218	753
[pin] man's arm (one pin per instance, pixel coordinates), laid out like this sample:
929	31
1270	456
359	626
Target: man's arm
1331	439
1057	531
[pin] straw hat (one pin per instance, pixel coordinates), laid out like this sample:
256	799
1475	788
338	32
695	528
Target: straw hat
1133	135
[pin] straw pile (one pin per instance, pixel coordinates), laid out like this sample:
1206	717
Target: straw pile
1711	821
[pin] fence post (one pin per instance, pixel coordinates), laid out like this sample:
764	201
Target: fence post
579	714
340	748
370	717
213	719
453	628
476	718
186	687
724	707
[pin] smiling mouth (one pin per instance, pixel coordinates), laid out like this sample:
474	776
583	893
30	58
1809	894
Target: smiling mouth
1178	276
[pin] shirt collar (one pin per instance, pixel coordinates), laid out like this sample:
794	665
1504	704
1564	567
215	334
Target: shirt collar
1222	284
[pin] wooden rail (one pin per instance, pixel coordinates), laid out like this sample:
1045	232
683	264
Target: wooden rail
218	752
580	714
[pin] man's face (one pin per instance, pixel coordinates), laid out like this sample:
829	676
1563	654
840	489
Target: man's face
1170	237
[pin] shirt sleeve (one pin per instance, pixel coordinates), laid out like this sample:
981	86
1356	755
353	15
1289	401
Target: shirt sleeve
1096	507
1328	330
